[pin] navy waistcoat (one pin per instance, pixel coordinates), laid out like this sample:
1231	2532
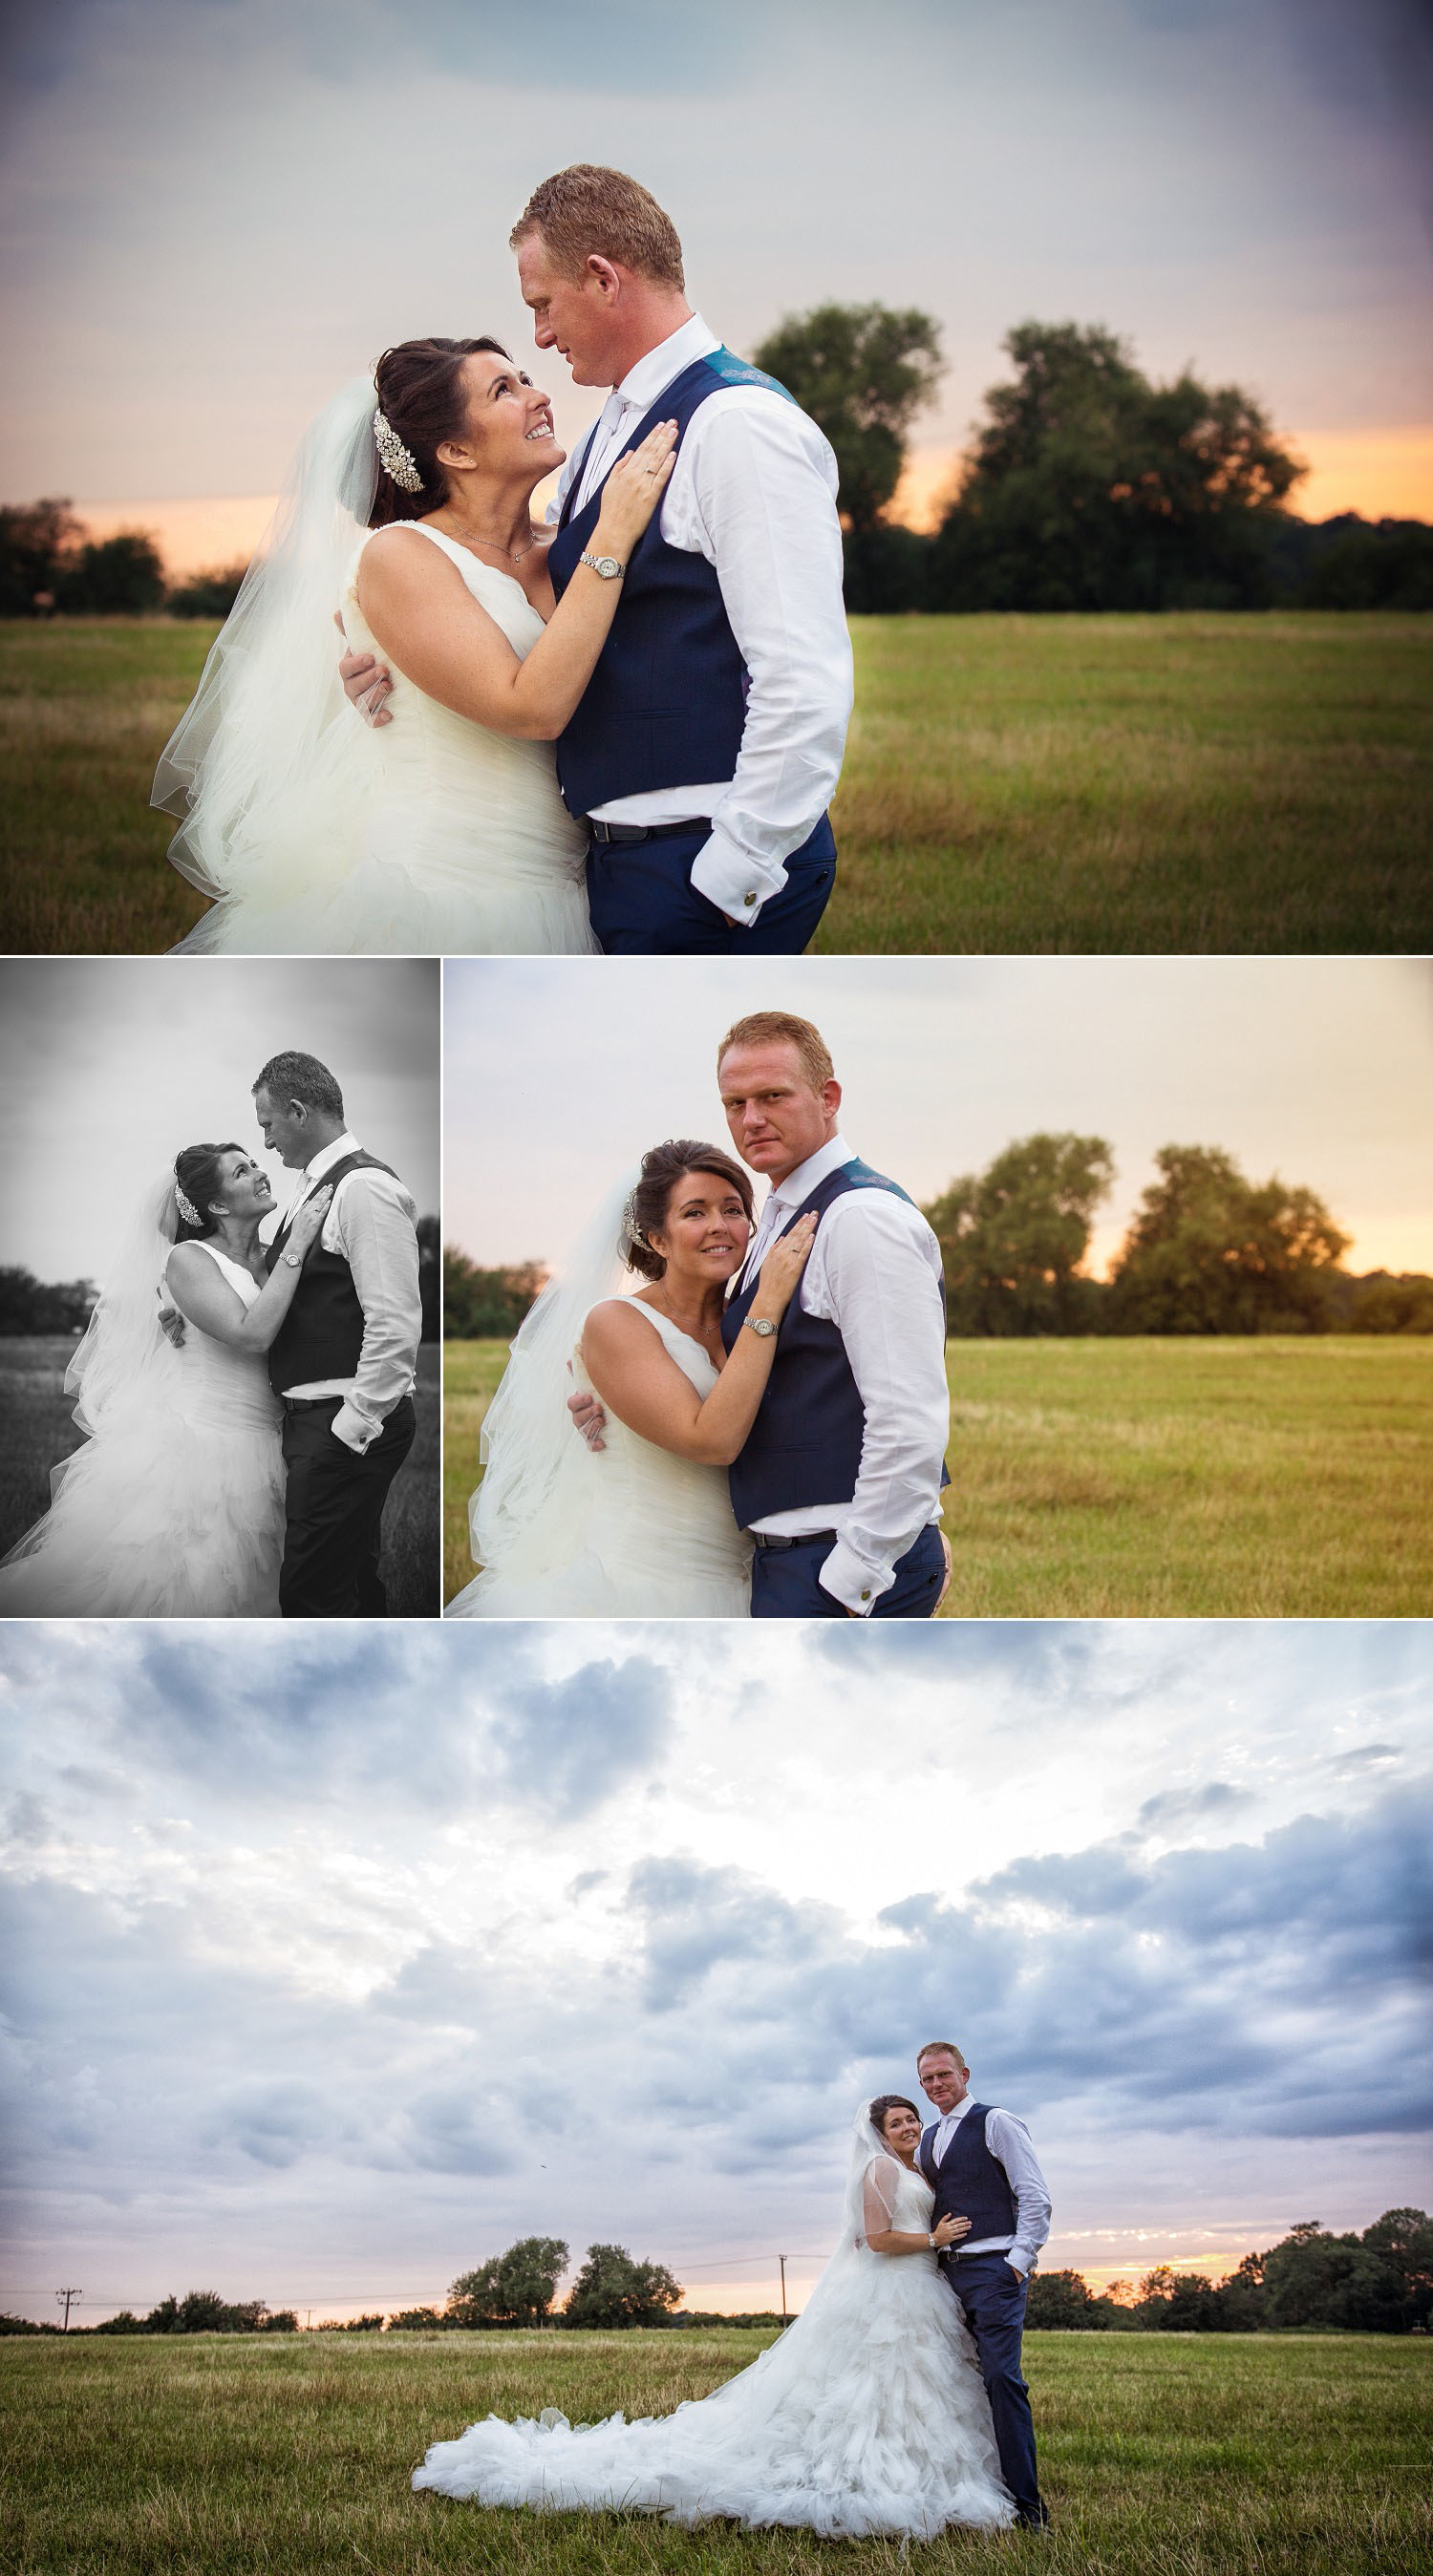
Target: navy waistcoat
971	2183
666	705
805	1444
322	1333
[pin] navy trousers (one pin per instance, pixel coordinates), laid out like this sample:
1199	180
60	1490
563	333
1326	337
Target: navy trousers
643	903
785	1585
993	2298
334	1513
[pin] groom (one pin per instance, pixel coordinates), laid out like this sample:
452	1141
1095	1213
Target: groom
709	740
344	1360
840	1479
980	2164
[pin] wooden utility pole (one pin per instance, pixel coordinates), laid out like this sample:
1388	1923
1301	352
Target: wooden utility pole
67	2295
781	2259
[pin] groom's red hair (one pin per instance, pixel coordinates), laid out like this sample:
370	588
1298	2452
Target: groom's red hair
588	211
782	1028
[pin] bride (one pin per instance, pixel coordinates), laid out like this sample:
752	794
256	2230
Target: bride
446	835
643	1527
868	2416
174	1506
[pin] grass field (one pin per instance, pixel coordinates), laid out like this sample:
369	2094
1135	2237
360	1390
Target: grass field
1162	2455
1184	783
1262	1478
39	1432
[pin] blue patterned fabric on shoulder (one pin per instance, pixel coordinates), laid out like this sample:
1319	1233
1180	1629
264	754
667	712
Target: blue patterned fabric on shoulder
735	371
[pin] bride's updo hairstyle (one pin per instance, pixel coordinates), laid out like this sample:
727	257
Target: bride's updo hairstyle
883	2105
420	394
662	1167
199	1174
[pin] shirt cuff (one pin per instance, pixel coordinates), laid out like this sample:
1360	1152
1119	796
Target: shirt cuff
855	1585
1021	2259
354	1428
733	880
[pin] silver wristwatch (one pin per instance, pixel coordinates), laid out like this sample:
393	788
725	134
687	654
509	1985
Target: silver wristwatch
606	567
759	1324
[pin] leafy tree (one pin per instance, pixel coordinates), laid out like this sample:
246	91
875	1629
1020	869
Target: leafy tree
28	1305
478	1304
1209	1252
207	594
611	2290
1012	1238
1388	565
1089	487
36	544
418	2321
121	577
205	2312
511	2289
1063	2300
862	371
1382	1302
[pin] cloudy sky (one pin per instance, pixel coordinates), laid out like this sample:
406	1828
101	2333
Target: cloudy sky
217	210
1316	1068
337	1964
110	1065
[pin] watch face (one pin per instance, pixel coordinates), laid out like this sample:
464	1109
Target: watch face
608	566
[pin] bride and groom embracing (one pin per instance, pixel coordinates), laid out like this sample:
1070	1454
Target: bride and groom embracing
247	1405
619	730
764	1423
889	2406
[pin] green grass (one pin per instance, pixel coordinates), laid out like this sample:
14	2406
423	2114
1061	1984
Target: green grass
1185	783
1261	1478
1162	2455
40	1431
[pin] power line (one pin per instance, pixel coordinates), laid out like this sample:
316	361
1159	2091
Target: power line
69	2297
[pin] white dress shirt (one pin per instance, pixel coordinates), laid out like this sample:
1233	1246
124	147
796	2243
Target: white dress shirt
754	491
873	1272
1009	2142
369	1223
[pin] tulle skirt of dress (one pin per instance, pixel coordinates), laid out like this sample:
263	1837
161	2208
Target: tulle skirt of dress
617	1541
419	855
869	2416
158	1517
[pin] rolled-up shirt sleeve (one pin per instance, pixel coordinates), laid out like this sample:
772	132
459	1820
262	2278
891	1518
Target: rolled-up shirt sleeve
878	1281
371	1222
1009	2142
762	509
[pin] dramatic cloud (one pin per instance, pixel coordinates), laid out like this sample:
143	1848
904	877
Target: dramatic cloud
332	1969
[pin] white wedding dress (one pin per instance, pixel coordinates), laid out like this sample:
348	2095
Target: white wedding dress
869	2415
627	1531
443	839
173	1508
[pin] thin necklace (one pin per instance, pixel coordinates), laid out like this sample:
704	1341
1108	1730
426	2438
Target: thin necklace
514	555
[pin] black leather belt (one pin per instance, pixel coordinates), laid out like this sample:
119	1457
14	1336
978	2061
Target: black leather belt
604	833
310	1403
799	1538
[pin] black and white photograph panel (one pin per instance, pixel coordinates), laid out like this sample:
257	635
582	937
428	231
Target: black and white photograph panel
438	2054
970	1287
218	1356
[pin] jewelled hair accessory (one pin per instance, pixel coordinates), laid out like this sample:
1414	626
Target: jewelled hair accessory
395	459
186	1207
630	1231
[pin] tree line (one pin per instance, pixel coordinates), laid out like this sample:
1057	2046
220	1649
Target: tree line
31	1305
1380	2282
1087	487
1207	1251
51	566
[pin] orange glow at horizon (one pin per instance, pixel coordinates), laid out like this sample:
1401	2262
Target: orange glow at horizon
1381	473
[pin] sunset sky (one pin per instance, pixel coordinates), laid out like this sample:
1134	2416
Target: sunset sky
340	1962
218	210
1317	1068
